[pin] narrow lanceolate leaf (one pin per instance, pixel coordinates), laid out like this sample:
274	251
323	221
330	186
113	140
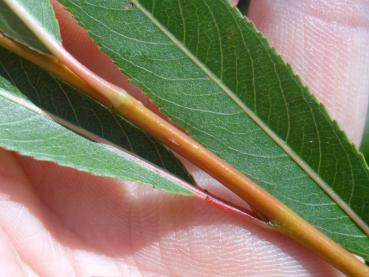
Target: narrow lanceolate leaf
215	75
12	26
29	131
63	101
78	110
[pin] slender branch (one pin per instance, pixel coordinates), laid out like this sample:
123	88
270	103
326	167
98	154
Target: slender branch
282	218
50	64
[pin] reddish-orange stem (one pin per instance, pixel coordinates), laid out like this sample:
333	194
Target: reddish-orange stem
52	65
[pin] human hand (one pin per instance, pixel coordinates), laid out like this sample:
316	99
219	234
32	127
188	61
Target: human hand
56	221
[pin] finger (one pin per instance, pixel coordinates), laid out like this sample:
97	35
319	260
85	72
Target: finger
326	42
29	227
10	262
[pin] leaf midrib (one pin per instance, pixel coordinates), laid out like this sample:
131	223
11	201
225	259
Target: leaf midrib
281	143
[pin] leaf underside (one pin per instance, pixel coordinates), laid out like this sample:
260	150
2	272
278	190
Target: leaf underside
212	73
29	131
64	102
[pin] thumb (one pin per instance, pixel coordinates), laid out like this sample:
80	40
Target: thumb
326	43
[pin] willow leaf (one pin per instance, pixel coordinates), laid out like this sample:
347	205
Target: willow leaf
63	101
28	130
66	103
212	73
12	26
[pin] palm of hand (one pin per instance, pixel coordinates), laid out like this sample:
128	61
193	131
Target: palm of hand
58	222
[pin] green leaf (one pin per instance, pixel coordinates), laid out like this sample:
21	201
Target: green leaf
28	130
12	26
212	73
64	102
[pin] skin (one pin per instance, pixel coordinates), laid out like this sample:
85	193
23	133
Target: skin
56	221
